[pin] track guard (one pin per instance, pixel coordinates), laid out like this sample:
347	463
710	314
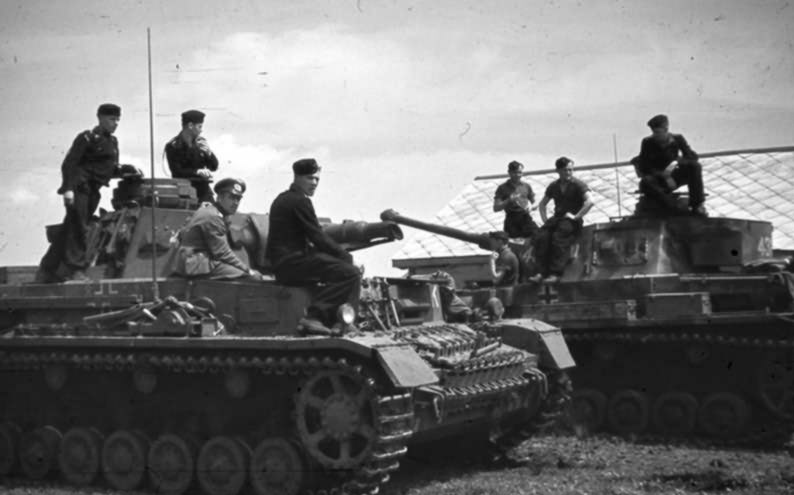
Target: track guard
537	337
404	366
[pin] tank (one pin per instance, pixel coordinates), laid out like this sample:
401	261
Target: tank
680	326
147	380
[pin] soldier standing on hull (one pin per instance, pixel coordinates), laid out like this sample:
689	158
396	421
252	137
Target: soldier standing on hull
204	249
91	162
514	197
190	157
301	252
571	203
505	267
666	162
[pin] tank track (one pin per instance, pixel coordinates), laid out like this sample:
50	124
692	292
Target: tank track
393	412
766	429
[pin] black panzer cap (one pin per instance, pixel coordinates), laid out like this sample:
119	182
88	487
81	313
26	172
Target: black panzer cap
109	109
192	117
660	120
305	166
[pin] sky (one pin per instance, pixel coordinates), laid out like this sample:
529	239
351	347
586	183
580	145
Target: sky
403	103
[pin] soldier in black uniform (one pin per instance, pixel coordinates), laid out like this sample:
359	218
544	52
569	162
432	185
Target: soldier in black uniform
301	252
666	162
514	197
90	163
204	250
571	203
190	157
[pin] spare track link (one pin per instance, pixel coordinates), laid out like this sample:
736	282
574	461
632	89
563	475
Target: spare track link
394	413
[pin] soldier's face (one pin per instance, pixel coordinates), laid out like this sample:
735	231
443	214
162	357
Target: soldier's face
229	202
195	129
307	184
515	175
660	133
109	122
565	173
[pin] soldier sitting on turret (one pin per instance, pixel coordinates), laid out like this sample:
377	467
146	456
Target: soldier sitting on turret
204	249
571	203
514	197
666	162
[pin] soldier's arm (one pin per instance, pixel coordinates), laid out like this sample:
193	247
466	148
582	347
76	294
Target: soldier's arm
177	163
304	212
500	200
687	153
542	207
588	203
214	234
71	173
208	158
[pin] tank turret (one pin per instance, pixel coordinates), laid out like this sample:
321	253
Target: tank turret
189	383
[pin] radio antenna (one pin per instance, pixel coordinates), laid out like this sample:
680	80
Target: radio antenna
155	287
617	174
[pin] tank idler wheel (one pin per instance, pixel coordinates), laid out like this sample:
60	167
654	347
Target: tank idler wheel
171	464
588	409
38	452
628	412
775	382
724	415
124	459
222	466
675	413
80	455
277	468
10	435
335	419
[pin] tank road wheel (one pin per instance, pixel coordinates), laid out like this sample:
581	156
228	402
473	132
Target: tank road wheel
38	452
171	464
675	413
588	409
775	382
724	415
124	459
277	468
335	416
222	466
80	455
627	412
10	435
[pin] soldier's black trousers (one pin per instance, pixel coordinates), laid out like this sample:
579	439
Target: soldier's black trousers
553	245
519	224
340	281
69	245
686	172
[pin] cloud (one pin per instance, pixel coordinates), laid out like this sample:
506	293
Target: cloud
23	196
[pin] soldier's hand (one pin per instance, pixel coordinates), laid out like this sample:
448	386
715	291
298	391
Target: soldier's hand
68	198
204	173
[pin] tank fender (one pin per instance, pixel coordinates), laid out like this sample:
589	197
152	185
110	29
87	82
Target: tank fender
400	361
537	337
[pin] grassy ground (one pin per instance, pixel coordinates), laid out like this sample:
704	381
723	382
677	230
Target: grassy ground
565	465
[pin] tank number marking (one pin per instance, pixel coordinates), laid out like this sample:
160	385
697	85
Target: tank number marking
105	289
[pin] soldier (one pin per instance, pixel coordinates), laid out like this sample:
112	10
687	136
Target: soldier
190	157
571	203
90	163
666	162
505	266
301	252
204	249
514	197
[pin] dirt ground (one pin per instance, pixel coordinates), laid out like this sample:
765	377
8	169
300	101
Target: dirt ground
565	465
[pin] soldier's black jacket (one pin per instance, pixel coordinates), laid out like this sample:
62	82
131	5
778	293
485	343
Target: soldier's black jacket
294	228
93	159
185	160
655	156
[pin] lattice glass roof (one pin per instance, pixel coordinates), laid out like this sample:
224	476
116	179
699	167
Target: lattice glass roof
755	184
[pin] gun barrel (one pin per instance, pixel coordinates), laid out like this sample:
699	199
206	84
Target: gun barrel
481	240
358	235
